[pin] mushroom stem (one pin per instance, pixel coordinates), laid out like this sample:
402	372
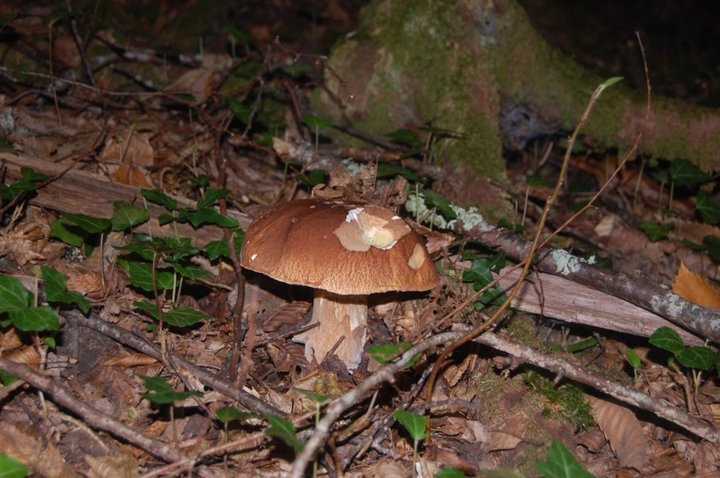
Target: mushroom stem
338	316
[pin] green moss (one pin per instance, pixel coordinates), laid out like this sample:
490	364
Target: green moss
566	400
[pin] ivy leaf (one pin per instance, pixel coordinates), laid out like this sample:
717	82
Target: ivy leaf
390	170
35	319
13	296
93	225
158	197
316	122
382	352
434	200
56	290
232	414
141	276
184	316
413	423
160	392
708	208
126	216
697	357
685	173
148	307
561	463
284	431
655	231
713	247
667	339
58	230
633	358
11	468
217	249
212	196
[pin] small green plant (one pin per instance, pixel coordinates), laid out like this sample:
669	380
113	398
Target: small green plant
707	207
696	359
480	275
449	472
316	123
656	231
384	353
29	181
634	360
284	431
414	424
11	468
159	392
560	463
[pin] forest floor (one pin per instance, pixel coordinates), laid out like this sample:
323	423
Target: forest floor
132	343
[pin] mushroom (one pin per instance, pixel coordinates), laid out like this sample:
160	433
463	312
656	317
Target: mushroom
344	251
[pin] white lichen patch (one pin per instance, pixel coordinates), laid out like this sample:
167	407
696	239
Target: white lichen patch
673	304
470	218
566	263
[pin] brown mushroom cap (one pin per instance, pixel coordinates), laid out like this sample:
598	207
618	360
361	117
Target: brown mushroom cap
346	248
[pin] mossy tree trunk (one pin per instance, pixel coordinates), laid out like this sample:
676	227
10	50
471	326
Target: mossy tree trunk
479	69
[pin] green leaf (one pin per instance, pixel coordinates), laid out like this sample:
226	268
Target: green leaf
633	358
160	392
444	207
56	290
580	345
697	357
35	319
413	423
239	34
13	296
242	112
713	247
11	468
232	414
667	339
212	196
239	237
685	173
217	249
314	396
449	472
611	81
50	342
126	216
158	197
390	170
29	174
140	275
383	352
148	307
405	137
480	274
6	379
312	178
58	230
283	430
561	463
298	70
184	316
93	225
655	231
316	122
192	272
198	217
708	208
536	181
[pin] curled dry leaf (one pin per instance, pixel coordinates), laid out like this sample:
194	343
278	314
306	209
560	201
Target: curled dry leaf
624	432
127	361
286	356
120	466
692	287
44	459
289	314
26	242
88	283
25	355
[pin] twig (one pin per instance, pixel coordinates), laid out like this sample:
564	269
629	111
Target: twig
90	415
210	380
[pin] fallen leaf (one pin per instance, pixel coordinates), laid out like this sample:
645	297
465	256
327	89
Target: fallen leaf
692	287
624	432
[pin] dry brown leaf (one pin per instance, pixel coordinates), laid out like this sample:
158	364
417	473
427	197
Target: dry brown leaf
25	355
45	460
389	469
130	174
624	432
288	314
137	150
127	361
692	287
86	283
122	466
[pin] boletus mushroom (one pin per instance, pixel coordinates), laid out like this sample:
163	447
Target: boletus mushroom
344	251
